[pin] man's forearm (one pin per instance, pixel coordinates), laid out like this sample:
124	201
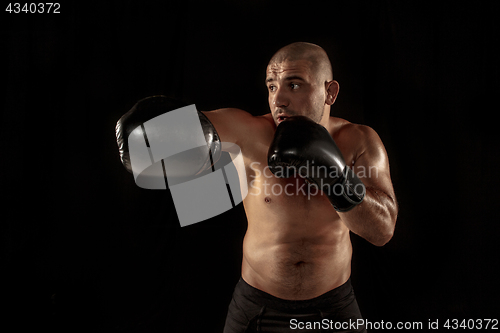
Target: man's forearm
375	218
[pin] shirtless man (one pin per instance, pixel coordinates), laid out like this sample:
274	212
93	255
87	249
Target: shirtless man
297	251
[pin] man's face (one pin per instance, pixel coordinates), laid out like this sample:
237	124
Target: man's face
294	90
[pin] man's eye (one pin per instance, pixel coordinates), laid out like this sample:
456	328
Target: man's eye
294	86
272	88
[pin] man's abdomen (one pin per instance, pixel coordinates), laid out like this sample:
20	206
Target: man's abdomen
302	267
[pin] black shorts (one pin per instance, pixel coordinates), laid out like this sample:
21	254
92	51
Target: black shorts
252	310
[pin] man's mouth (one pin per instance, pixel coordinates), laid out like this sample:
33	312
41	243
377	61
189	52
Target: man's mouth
281	118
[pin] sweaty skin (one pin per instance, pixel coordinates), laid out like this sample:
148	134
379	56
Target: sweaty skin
297	246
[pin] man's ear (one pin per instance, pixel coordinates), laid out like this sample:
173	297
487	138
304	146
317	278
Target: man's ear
332	90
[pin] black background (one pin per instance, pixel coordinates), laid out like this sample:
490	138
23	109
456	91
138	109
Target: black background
84	249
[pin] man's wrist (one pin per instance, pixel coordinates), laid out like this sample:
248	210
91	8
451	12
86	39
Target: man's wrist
348	192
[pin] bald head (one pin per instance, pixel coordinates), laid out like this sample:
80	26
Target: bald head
314	54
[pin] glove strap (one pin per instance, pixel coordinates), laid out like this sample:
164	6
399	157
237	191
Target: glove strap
213	141
346	193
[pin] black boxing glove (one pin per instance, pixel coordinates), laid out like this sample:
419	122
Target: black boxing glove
303	147
154	106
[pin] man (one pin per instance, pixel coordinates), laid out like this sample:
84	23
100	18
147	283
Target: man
297	251
297	247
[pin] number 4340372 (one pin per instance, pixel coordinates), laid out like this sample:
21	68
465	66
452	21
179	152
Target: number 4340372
33	8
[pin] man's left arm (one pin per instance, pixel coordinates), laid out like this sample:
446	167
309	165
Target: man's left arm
374	219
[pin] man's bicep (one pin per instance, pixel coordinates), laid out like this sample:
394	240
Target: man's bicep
229	123
372	166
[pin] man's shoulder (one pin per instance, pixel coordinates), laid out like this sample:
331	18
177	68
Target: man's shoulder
239	126
239	115
340	128
246	119
356	136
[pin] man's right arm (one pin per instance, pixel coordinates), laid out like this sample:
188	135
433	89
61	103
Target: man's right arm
232	125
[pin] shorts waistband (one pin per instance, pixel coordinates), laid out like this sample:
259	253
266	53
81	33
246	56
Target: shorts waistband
333	296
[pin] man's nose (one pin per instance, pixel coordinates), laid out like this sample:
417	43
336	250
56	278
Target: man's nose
280	98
